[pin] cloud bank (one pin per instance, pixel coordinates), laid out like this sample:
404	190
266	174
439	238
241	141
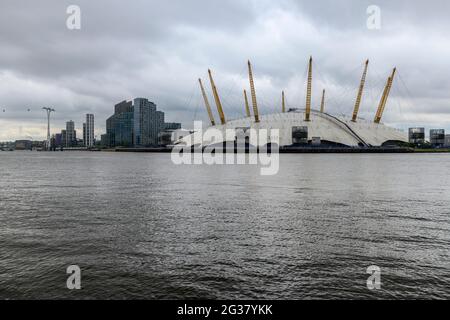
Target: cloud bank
158	49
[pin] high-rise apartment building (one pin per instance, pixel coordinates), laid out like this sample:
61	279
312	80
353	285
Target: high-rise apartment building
135	124
84	133
120	126
88	131
63	138
144	119
123	129
157	126
124	106
70	134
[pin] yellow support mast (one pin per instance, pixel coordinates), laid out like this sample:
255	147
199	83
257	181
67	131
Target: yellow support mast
377	115
322	103
207	105
283	104
247	108
360	92
252	89
308	92
217	99
384	98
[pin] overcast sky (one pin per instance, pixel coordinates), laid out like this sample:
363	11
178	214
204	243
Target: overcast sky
158	49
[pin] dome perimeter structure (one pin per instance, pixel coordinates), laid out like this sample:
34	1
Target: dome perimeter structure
302	127
322	128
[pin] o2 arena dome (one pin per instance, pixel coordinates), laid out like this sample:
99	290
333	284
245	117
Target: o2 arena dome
308	127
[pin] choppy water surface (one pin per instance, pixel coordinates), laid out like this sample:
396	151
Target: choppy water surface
141	227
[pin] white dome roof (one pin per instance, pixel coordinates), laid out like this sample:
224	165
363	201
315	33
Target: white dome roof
335	129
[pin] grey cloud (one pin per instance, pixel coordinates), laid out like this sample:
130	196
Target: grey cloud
158	49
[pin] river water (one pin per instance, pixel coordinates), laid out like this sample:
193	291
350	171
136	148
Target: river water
140	227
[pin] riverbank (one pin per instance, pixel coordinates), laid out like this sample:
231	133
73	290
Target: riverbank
284	150
281	150
432	150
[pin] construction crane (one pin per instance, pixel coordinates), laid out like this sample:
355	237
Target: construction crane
283	104
217	99
207	105
360	92
252	89
247	107
322	103
308	92
384	97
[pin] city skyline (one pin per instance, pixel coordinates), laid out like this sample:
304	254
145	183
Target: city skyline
87	70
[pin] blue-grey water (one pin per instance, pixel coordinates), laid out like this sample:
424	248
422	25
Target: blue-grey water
140	227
